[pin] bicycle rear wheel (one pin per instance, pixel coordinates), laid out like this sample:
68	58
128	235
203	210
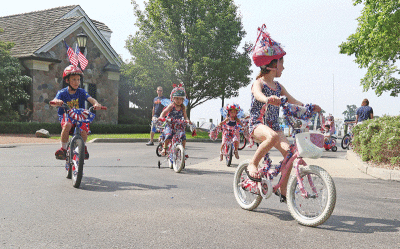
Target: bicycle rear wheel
318	205
345	141
77	158
179	162
245	197
242	142
159	149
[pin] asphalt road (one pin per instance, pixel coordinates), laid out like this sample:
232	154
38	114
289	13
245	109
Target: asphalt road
126	201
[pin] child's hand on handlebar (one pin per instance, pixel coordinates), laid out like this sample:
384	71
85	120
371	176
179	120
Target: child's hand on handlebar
97	106
274	100
56	102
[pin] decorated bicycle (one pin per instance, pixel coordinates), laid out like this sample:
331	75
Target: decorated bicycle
311	192
244	138
328	128
174	132
348	138
230	127
75	156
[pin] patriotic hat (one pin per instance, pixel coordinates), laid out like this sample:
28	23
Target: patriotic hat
265	50
178	91
71	69
225	111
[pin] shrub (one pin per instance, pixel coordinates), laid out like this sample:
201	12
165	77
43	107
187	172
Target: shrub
378	140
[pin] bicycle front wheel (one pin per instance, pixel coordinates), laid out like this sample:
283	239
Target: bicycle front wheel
317	205
68	163
179	161
242	142
346	141
245	197
77	158
229	155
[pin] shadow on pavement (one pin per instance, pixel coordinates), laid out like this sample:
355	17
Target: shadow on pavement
96	184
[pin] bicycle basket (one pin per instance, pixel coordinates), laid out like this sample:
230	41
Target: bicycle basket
310	144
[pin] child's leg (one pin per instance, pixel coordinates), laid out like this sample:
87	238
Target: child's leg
66	127
269	138
184	143
283	146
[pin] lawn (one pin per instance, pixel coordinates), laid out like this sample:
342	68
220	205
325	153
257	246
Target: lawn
200	135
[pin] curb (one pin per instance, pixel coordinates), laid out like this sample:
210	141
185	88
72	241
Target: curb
385	174
143	140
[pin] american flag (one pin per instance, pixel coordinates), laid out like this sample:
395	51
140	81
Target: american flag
82	59
73	59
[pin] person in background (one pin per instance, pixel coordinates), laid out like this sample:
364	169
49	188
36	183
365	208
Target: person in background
157	109
364	112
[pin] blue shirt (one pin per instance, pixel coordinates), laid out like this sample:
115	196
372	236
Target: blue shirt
76	100
364	113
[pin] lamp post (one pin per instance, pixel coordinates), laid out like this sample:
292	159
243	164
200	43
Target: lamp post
81	39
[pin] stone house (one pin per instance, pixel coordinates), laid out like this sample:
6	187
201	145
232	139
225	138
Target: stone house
38	37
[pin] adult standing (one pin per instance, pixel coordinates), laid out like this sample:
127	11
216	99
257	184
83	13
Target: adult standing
157	109
364	112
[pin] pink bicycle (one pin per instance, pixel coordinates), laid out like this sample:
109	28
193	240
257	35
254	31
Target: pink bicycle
311	192
228	133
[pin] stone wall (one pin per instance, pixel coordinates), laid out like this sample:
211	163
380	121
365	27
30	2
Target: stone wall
46	82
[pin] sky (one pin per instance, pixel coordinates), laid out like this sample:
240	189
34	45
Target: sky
309	30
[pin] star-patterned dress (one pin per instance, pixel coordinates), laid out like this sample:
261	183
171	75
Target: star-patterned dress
178	124
272	114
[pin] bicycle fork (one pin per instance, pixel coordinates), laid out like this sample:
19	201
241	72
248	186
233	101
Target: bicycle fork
300	182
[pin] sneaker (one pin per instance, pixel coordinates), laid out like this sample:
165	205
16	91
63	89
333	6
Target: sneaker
236	154
61	154
86	154
150	143
186	155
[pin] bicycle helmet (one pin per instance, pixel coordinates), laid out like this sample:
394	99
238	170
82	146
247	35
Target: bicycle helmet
70	70
265	49
178	92
225	111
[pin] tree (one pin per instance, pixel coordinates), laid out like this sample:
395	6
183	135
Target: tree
376	45
194	42
350	113
12	83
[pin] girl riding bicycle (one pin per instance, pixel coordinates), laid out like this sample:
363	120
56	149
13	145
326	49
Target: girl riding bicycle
268	55
176	110
230	123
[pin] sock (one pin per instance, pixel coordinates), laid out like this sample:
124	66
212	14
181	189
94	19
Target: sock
64	145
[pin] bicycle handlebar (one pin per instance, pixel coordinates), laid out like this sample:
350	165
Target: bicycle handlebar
65	106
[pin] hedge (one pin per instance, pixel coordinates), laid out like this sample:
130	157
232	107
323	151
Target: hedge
55	128
378	140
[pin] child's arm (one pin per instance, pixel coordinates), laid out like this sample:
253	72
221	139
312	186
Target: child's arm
291	99
223	122
94	103
185	116
256	90
56	102
166	111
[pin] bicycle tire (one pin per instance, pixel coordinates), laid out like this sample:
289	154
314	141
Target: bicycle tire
179	161
345	141
159	150
334	148
77	156
244	198
229	155
324	202
243	140
68	161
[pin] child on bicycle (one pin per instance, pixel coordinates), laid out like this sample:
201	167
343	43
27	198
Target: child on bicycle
268	55
327	134
231	120
74	97
175	110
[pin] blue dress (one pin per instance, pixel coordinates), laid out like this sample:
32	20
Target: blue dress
271	116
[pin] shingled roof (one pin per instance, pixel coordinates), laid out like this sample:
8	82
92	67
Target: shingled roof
31	31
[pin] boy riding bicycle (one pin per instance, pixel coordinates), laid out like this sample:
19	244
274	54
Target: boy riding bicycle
74	97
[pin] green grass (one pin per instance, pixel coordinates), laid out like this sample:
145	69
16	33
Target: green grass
200	135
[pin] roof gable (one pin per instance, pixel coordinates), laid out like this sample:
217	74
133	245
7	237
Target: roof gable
36	32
